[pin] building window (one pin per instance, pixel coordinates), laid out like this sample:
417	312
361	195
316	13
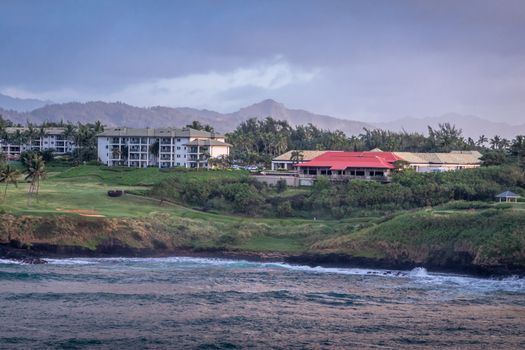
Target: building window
178	140
178	155
178	147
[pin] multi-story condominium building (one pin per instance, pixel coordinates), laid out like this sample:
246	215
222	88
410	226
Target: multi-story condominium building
163	148
19	140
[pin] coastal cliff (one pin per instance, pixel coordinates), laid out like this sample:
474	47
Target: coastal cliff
482	243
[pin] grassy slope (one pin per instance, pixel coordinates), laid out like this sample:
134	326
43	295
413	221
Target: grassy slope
85	188
488	235
491	236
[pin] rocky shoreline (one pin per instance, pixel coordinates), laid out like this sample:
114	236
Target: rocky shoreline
37	253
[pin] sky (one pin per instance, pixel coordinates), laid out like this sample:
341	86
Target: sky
370	60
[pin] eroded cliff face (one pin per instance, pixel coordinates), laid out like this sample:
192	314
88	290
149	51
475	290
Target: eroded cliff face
68	236
159	232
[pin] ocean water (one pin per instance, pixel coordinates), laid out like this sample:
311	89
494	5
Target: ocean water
195	303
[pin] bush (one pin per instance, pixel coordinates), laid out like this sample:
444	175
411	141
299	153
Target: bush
281	185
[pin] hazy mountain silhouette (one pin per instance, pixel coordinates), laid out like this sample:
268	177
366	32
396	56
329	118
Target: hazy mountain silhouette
21	104
121	114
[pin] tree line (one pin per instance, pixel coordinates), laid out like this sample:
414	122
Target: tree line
259	141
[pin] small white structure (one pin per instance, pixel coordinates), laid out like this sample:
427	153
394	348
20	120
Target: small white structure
163	147
508	196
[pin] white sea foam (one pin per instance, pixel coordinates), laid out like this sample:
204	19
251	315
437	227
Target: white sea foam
418	275
70	261
11	262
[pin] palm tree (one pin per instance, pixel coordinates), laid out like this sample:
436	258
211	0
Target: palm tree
154	148
482	140
36	171
296	157
9	175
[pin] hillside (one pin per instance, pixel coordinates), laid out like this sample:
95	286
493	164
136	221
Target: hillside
74	216
121	114
21	104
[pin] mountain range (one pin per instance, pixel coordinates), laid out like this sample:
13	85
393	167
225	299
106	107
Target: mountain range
121	114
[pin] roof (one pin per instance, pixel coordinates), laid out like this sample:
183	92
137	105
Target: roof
208	142
48	131
156	132
344	160
307	155
508	194
454	157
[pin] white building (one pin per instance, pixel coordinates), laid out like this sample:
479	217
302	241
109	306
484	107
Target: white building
18	141
163	148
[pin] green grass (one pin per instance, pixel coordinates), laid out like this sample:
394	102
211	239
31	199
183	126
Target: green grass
493	232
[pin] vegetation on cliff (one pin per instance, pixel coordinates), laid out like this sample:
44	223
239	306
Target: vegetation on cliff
73	209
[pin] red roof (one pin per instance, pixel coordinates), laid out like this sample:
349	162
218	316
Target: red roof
344	160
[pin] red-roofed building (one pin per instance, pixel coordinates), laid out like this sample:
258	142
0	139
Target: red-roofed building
364	165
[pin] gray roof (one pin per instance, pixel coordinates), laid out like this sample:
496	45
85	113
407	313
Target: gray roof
208	142
156	132
48	131
508	194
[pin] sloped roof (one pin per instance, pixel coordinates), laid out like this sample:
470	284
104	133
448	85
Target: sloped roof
344	160
48	131
456	157
208	142
307	155
156	132
508	194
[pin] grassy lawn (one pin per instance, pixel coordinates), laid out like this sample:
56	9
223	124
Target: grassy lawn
85	188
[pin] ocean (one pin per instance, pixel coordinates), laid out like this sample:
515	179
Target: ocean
199	303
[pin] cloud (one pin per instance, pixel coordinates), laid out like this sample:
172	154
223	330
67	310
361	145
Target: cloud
208	90
214	89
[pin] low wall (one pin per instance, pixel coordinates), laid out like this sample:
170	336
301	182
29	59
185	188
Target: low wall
292	181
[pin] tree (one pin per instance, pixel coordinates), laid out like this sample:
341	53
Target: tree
482	140
281	185
154	148
296	157
517	149
9	175
198	126
35	171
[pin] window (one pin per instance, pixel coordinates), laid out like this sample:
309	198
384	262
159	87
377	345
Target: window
178	147
178	155
360	173
178	140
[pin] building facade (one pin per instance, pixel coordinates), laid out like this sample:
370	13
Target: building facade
348	165
439	162
19	140
161	147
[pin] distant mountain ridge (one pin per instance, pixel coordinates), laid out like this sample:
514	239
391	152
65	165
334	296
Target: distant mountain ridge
21	104
121	114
